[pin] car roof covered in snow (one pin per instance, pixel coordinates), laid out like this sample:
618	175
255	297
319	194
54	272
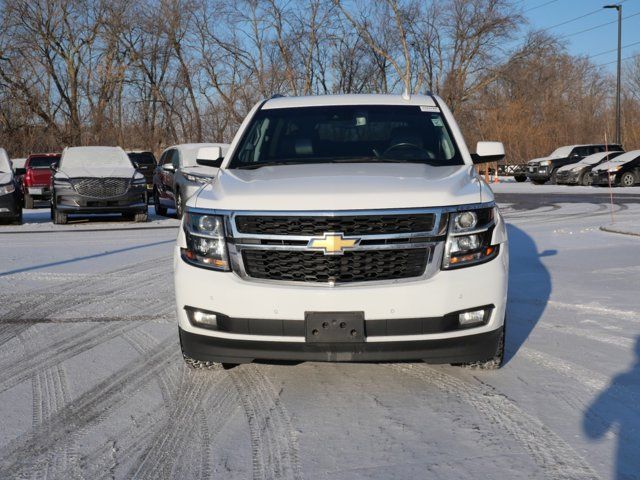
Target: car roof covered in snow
348	99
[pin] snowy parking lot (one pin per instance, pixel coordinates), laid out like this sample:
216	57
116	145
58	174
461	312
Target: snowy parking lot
92	384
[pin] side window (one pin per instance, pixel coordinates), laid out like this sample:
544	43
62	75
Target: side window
175	159
164	157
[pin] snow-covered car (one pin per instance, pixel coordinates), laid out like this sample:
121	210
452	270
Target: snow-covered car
96	180
179	175
545	169
580	173
10	196
344	228
623	171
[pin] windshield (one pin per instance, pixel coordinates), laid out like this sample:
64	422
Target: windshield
94	157
142	158
43	161
332	134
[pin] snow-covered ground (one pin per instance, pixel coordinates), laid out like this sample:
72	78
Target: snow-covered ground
92	384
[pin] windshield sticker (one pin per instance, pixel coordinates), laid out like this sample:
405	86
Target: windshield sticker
437	121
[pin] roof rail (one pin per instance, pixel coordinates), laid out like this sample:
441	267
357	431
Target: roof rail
277	95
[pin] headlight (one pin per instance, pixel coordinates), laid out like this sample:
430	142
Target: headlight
196	178
469	238
546	163
206	243
61	182
139	181
615	169
576	169
8	188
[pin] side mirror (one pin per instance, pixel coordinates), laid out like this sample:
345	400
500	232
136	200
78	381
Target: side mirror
210	156
488	152
168	167
54	167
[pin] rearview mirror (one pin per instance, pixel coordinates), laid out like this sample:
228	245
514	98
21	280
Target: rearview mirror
210	156
488	152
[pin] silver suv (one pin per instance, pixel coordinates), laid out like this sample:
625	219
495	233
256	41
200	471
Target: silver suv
178	176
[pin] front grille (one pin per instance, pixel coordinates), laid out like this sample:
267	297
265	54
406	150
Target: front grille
353	266
349	225
100	187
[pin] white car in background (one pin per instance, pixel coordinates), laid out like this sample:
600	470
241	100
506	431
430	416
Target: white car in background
344	228
179	175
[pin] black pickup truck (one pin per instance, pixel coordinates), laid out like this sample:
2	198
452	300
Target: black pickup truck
543	170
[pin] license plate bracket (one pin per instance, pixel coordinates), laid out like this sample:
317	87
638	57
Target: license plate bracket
334	327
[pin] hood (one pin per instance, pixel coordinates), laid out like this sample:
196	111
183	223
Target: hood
538	160
566	168
201	170
617	161
356	186
5	177
101	172
96	162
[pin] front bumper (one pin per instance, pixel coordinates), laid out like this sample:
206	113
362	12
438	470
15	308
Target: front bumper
469	348
133	201
538	174
567	178
602	179
395	303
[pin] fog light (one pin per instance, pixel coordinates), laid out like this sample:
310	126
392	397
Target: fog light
467	319
205	319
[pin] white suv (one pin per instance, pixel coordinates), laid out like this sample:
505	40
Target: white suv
344	228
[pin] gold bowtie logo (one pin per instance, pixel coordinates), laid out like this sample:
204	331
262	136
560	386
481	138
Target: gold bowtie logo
333	243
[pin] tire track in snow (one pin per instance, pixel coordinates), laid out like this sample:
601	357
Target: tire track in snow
14	372
81	292
620	342
88	409
554	456
50	392
171	452
274	441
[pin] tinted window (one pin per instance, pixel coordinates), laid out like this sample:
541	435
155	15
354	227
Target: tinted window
327	134
143	158
43	161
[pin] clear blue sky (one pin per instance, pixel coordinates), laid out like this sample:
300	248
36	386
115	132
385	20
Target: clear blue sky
547	13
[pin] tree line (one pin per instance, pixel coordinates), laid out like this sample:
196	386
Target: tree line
147	74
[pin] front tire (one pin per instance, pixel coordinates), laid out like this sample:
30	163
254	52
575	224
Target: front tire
28	201
179	206
18	219
194	364
554	177
520	178
585	180
538	182
495	362
60	218
627	179
160	210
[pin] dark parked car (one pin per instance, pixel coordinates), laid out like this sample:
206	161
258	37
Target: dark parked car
622	171
542	170
98	180
580	173
145	163
36	181
10	196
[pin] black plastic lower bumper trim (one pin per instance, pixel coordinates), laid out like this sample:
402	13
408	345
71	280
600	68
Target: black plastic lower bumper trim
469	348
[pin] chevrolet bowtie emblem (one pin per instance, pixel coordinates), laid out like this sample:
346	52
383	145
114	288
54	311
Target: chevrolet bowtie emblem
332	243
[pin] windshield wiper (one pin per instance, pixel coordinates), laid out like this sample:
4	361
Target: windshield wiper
254	166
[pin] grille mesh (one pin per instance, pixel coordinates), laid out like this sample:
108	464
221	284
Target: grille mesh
353	266
349	225
100	187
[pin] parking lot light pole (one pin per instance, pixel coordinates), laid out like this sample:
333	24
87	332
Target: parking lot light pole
618	7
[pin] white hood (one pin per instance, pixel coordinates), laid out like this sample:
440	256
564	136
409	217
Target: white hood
96	162
355	186
619	160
